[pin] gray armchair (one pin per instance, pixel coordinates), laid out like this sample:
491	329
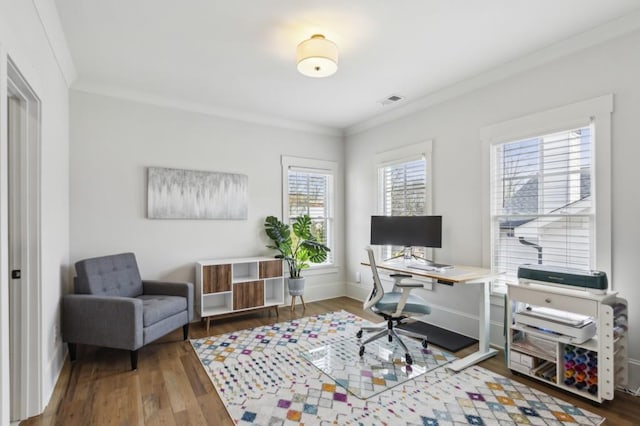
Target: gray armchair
113	307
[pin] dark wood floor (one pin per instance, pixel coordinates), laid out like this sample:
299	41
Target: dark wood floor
170	387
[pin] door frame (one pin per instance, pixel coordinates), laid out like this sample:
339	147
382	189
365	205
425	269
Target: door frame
25	317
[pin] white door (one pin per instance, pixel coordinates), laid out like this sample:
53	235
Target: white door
25	347
14	129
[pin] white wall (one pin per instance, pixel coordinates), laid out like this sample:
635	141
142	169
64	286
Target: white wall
23	39
113	141
454	126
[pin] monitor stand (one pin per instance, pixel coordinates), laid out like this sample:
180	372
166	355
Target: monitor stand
408	256
418	262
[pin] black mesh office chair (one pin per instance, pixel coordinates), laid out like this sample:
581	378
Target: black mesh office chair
395	307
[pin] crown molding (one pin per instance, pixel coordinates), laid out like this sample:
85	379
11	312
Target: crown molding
598	35
50	21
160	101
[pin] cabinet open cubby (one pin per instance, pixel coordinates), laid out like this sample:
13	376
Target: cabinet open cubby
244	271
216	303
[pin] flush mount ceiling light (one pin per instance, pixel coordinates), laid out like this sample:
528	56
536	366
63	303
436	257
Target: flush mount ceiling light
317	57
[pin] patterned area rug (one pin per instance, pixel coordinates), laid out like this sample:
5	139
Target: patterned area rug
263	379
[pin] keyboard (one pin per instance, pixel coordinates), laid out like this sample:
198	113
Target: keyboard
429	266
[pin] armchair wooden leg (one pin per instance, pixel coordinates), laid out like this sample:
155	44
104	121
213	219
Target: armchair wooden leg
185	331
72	352
134	360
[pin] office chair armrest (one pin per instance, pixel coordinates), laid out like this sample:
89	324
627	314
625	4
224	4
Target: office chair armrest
399	284
406	289
401	276
410	285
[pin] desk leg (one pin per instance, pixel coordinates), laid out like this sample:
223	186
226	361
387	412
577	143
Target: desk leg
484	338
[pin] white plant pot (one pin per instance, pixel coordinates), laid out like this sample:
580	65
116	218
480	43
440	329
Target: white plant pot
296	286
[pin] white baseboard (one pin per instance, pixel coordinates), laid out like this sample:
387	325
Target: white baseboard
319	292
357	291
51	375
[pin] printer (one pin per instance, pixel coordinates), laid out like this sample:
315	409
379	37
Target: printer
559	325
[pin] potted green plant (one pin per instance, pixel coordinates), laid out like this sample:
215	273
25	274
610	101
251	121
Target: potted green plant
297	245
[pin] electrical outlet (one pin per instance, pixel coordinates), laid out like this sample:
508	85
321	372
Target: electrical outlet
56	333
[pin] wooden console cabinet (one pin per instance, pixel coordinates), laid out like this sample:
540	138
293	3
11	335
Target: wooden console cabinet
229	286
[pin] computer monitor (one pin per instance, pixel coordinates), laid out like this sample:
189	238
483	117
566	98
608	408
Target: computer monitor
407	231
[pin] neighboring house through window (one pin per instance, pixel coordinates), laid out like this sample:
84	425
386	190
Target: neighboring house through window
308	186
543	194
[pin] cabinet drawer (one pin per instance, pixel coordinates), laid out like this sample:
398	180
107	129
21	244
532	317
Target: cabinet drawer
552	300
271	268
216	278
248	295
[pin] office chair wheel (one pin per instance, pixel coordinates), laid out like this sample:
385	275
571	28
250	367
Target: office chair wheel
408	359
425	344
361	352
359	334
390	338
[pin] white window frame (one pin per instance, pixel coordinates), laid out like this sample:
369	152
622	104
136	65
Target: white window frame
596	110
311	165
421	150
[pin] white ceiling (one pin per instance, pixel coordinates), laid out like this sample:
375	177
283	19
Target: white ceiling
237	57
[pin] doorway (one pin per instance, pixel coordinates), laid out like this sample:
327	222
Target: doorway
23	232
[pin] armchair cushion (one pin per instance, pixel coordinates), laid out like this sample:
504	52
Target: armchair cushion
182	289
158	307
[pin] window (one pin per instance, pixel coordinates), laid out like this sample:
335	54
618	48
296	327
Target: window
543	203
404	187
308	188
543	209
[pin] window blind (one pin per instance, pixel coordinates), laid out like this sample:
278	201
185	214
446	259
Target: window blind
404	189
543	202
308	194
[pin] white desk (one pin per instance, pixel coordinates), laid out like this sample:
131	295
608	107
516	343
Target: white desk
455	276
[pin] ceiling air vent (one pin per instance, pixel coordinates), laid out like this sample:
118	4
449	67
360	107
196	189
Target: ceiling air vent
391	100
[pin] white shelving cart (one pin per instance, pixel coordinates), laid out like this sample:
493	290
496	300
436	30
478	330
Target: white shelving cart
590	368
